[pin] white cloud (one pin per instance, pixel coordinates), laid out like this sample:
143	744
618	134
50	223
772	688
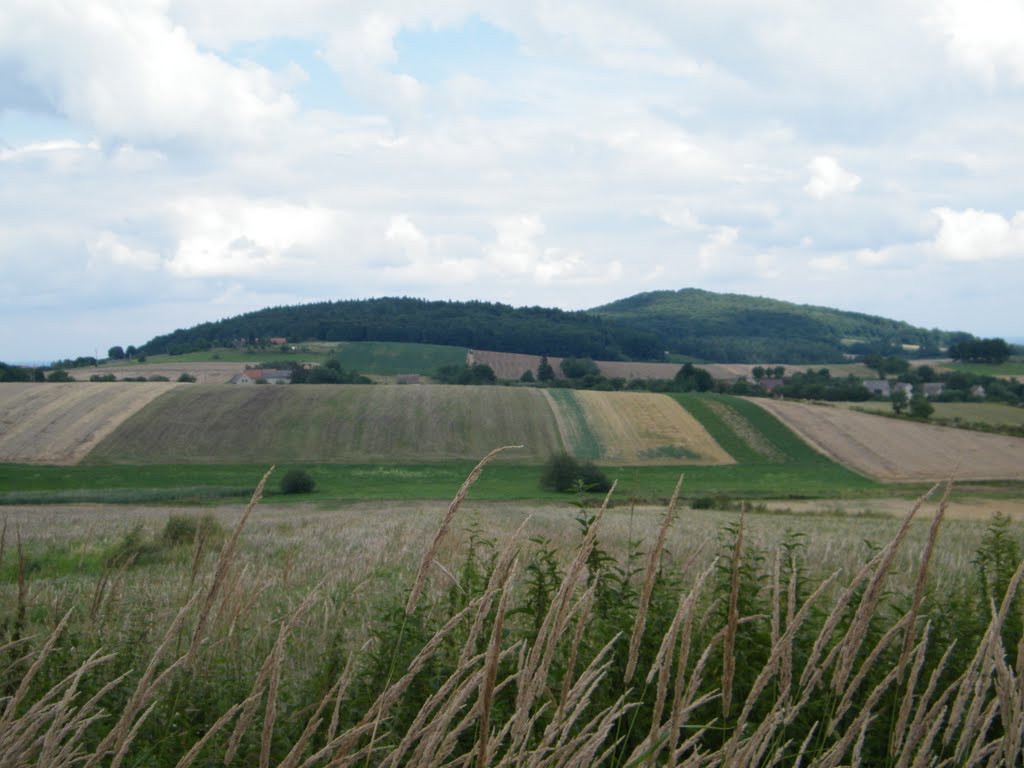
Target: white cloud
229	236
108	248
123	68
828	178
833	263
973	235
984	36
716	247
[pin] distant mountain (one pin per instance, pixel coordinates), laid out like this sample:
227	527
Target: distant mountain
728	327
708	326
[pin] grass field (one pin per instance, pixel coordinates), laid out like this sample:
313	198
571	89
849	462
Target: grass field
513	634
128	483
1012	367
389	358
306	351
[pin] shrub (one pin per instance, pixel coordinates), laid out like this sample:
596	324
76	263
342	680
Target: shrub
563	472
182	529
297	481
187	378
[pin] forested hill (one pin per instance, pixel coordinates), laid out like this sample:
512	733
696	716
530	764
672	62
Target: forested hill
725	327
472	324
708	326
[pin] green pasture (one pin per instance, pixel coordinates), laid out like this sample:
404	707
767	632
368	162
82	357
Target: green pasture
760	426
305	352
1012	367
127	484
390	358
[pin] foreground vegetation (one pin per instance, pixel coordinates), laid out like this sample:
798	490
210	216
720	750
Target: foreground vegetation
327	640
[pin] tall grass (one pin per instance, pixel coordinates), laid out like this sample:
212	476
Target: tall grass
518	653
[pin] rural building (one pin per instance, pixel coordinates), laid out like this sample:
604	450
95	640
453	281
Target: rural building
933	389
408	378
262	376
878	387
978	391
902	386
770	384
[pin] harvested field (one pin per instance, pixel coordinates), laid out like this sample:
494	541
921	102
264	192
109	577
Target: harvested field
61	423
205	372
993	414
334	424
634	428
894	451
510	365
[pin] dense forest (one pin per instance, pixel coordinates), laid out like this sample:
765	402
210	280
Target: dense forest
694	323
724	327
472	324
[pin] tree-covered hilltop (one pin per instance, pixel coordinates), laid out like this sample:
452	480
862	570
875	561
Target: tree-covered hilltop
726	327
714	327
472	324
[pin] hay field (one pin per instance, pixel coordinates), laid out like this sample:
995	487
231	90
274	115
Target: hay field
205	372
633	428
511	365
893	451
61	423
994	414
334	424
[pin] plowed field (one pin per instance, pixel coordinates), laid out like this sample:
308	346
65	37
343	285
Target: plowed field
61	423
893	450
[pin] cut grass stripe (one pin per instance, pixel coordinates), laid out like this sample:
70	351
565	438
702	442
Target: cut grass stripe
583	442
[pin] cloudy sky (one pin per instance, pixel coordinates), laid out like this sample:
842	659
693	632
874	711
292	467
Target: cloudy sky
166	162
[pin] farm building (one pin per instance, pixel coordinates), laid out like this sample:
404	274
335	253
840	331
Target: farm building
878	387
933	389
262	376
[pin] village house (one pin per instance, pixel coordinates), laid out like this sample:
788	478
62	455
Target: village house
933	389
879	387
262	376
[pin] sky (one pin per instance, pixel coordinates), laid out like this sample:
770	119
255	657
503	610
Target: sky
169	162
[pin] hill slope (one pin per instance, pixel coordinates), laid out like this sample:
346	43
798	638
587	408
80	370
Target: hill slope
405	424
725	327
709	326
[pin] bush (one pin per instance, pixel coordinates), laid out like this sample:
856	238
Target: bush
297	481
187	378
563	472
182	529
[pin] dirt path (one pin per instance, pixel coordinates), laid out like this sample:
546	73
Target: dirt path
61	423
892	450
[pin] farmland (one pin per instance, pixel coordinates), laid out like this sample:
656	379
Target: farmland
388	358
891	451
61	423
991	414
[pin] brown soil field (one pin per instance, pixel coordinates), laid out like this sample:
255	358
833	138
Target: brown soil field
647	428
891	450
205	373
61	423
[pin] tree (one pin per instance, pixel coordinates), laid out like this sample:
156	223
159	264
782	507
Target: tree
297	481
920	408
578	368
527	377
899	400
544	370
757	372
563	472
690	378
59	375
116	353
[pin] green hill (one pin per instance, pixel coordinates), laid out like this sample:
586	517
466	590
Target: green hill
727	327
714	327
